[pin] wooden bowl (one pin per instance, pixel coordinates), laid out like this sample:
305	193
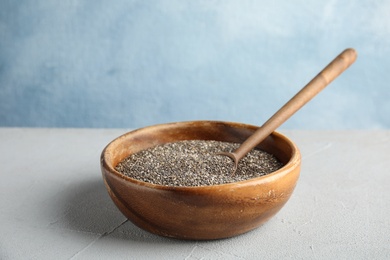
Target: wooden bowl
206	212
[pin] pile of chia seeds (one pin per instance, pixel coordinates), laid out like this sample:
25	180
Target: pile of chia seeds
195	163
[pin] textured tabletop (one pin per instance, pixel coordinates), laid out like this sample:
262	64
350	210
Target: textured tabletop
53	204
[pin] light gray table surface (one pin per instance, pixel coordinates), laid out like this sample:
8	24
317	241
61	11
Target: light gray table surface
53	204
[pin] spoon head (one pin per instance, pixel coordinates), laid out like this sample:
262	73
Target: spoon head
234	158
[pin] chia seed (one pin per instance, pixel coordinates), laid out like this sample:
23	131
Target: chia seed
195	163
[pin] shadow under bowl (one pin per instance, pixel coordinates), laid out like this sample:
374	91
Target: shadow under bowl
205	212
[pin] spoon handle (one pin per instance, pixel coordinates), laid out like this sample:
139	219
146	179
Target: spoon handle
318	83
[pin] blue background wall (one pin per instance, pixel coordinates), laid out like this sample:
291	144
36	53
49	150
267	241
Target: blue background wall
136	63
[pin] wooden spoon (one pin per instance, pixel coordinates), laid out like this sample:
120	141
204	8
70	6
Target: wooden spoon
318	83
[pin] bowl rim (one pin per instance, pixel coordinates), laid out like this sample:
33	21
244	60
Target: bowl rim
291	164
